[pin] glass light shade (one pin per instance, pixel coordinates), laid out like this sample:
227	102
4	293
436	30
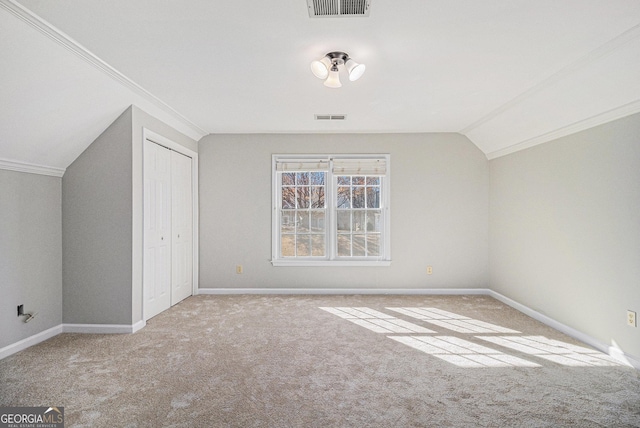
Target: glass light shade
333	81
320	68
355	70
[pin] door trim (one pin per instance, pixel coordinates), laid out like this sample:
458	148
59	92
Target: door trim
166	142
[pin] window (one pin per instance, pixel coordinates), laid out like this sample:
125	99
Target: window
331	210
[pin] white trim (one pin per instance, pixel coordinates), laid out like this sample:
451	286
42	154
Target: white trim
148	134
580	63
101	328
154	137
138	326
64	40
69	328
341	262
331	258
599	119
196	223
612	351
31	168
347	291
30	341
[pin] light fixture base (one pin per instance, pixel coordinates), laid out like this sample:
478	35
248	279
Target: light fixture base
338	57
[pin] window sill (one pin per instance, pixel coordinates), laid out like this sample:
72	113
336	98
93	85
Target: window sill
335	263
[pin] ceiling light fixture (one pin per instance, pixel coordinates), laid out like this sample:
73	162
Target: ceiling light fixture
327	68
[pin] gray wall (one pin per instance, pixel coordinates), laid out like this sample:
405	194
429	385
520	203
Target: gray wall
103	223
96	226
439	212
30	254
565	230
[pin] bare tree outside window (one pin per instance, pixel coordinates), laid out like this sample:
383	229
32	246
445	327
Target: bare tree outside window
331	210
303	214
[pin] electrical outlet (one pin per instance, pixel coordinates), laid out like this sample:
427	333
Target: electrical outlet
20	310
631	319
238	269
429	270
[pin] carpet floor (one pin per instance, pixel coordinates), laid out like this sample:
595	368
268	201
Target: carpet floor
327	361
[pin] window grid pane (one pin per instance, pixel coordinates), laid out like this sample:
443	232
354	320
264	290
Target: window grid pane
330	211
358	216
303	214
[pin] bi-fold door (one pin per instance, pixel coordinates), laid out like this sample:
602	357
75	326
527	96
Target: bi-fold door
168	228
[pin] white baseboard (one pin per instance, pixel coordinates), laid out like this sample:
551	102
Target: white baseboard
138	326
30	341
70	328
102	328
346	291
612	351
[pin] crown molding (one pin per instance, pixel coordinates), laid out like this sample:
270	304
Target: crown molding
608	116
76	48
605	49
31	168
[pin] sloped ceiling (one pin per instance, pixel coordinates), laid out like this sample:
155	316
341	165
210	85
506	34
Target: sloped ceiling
508	74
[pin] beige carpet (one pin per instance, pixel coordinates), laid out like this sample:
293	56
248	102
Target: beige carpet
327	361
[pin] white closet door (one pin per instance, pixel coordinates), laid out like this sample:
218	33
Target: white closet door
157	229
182	228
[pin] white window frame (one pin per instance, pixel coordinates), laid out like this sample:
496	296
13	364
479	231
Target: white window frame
331	258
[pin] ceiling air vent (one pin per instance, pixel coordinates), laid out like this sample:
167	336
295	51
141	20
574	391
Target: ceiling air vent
338	8
330	116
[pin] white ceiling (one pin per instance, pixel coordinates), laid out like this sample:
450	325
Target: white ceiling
506	73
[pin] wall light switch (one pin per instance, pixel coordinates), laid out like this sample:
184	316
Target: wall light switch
631	319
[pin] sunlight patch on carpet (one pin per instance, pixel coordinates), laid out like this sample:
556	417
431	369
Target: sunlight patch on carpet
553	350
376	321
451	321
462	353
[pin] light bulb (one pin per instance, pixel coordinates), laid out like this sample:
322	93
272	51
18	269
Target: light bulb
320	68
355	70
333	81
